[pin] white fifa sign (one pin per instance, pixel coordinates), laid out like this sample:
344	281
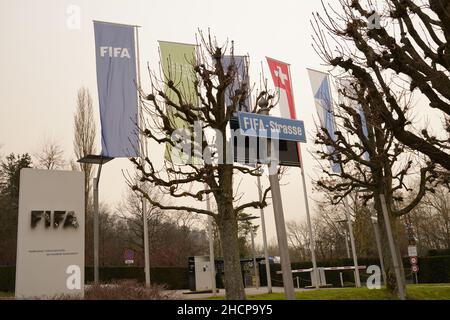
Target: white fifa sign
50	237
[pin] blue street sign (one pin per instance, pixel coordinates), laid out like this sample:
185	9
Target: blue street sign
257	125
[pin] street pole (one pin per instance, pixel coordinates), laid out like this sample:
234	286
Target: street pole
392	247
212	262
96	231
99	160
352	242
280	224
380	252
281	236
146	244
255	267
96	182
266	251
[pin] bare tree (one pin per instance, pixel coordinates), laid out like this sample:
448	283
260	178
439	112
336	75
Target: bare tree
387	54
409	39
173	236
431	221
84	137
372	162
299	239
50	157
210	81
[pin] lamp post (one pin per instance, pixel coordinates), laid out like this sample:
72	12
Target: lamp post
100	161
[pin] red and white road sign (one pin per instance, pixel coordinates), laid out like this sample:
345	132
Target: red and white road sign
415	268
413	260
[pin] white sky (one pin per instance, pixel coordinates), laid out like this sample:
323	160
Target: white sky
43	63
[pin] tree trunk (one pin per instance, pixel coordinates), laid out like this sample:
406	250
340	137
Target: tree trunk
228	230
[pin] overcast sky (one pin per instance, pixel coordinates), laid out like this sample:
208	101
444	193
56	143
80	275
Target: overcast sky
43	62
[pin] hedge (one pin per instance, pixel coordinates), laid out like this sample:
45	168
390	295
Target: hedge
433	269
173	277
438	252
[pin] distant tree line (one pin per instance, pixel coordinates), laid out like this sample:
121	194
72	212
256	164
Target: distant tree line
173	236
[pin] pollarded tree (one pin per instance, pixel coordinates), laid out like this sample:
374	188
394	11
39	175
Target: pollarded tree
408	40
220	94
372	162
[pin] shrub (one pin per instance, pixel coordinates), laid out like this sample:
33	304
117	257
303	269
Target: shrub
174	278
120	290
126	290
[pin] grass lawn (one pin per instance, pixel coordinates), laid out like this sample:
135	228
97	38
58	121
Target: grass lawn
6	294
414	292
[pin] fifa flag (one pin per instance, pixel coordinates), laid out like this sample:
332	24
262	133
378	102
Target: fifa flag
282	81
241	79
117	91
177	62
320	85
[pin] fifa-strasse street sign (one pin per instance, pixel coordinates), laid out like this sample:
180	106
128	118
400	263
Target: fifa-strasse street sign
257	125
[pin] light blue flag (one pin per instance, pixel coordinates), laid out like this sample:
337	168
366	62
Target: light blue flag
321	89
117	90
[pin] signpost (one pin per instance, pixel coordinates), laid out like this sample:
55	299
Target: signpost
263	125
412	250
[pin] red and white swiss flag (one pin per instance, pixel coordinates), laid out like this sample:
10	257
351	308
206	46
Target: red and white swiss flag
282	81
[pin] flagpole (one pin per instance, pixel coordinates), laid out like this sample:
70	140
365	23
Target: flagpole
143	150
305	195
347	207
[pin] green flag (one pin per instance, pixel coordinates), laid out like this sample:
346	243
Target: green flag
177	62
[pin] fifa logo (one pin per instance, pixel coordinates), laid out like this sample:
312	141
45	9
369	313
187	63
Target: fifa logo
66	219
114	52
